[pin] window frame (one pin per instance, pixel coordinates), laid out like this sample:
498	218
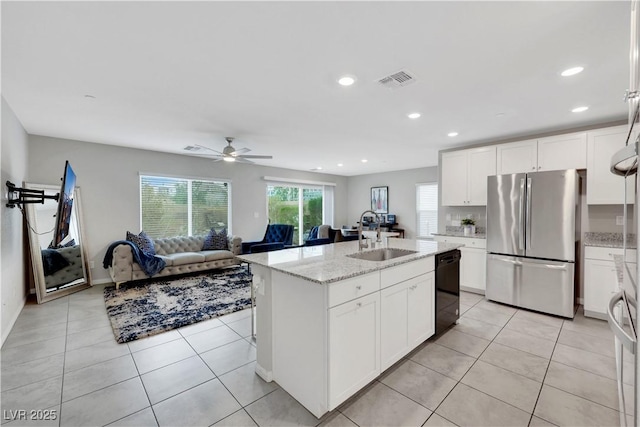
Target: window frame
433	184
189	179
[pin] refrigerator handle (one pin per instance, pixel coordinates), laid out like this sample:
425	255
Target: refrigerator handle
629	341
528	215
521	217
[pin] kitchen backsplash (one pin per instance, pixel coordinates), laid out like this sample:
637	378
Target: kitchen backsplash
598	238
460	229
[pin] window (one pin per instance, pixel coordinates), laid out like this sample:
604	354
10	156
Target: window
427	209
183	207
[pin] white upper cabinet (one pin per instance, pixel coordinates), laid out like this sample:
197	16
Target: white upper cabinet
454	178
603	187
560	152
517	157
464	176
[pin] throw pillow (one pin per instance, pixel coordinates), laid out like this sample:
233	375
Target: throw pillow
143	242
215	241
53	261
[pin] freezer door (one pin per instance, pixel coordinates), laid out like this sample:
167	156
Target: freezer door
551	214
505	214
545	286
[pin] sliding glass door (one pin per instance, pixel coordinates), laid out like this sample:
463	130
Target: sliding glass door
300	206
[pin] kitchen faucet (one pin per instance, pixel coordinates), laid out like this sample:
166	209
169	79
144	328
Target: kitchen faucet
365	244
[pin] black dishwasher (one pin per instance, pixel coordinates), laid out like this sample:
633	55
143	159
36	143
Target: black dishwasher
447	289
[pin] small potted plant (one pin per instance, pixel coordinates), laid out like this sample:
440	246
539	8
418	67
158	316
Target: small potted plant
469	226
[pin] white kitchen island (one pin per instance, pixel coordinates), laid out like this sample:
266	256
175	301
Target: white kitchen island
328	324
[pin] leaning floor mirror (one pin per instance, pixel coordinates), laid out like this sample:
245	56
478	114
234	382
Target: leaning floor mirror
62	269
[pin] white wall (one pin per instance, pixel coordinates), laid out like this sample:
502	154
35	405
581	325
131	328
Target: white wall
402	195
109	180
12	256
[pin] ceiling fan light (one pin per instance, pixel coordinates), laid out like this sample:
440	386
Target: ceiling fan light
229	159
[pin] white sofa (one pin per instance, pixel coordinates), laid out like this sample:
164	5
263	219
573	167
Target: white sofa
181	254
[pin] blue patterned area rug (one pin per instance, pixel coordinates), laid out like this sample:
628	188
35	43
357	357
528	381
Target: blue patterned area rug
141	309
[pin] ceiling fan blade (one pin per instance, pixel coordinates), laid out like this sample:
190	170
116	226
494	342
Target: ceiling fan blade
253	156
240	151
243	160
207	148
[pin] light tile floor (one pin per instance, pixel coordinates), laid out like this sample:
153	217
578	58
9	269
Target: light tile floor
498	366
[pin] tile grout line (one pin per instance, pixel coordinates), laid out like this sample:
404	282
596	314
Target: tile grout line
64	361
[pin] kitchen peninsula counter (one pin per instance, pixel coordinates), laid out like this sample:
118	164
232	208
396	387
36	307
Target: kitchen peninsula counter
326	264
328	324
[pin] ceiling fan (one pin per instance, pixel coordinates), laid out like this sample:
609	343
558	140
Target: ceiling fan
229	153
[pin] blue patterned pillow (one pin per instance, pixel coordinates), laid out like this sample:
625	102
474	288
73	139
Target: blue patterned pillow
143	242
215	241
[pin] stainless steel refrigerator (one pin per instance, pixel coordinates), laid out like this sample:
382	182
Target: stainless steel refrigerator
532	230
623	307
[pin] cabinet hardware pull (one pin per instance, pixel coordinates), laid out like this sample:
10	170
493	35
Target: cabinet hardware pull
358	287
359	305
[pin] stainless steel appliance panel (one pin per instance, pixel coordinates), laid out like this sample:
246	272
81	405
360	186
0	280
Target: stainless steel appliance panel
550	223
546	286
506	214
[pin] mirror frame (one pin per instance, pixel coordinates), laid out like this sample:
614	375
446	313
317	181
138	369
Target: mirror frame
35	251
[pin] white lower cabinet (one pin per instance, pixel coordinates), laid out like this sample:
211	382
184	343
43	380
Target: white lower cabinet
407	317
473	262
354	346
600	280
329	341
473	270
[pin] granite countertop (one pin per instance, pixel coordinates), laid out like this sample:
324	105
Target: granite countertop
609	240
329	263
461	234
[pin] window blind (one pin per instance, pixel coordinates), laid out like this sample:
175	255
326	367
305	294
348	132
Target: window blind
427	209
182	207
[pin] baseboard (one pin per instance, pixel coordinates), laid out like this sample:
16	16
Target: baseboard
472	290
581	301
7	331
264	374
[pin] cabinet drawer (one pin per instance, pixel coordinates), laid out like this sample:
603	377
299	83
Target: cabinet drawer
400	273
606	254
346	290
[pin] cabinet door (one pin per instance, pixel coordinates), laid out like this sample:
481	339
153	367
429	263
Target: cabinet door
407	317
563	152
473	269
454	178
421	321
599	286
394	319
482	163
354	346
603	187
517	157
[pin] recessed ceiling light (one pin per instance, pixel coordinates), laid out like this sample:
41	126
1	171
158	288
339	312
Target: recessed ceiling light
346	80
364	160
413	115
340	165
571	71
452	134
500	115
90	96
579	109
319	168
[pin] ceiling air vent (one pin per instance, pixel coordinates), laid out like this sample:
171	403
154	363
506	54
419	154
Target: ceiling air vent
397	80
191	148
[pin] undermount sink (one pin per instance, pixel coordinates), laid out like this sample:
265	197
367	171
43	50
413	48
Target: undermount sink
382	254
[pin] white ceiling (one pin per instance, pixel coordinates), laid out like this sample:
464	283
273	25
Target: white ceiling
170	74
